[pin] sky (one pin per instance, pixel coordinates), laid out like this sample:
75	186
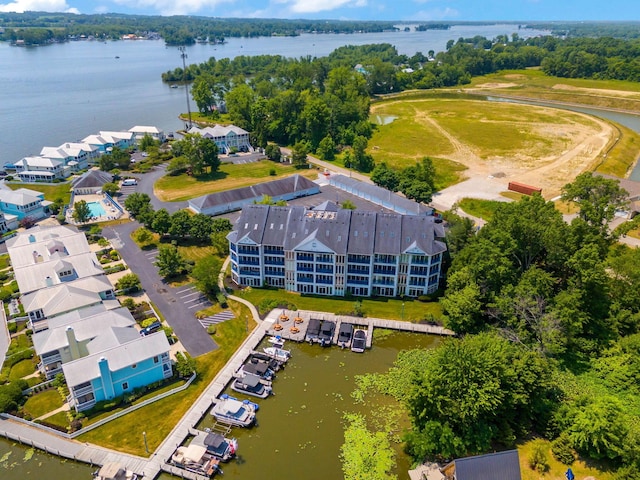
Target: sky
408	10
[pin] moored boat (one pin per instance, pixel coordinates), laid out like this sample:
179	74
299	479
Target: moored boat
325	337
261	369
359	342
196	459
313	329
278	353
114	471
252	385
234	412
345	332
217	445
276	341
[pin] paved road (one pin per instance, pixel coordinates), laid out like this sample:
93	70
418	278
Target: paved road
178	315
145	185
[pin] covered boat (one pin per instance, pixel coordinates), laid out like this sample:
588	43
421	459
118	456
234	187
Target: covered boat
261	369
313	329
278	354
359	342
252	385
217	445
325	337
345	332
196	459
114	471
234	412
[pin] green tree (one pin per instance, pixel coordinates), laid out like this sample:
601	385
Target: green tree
82	212
110	188
128	282
597	197
348	205
223	225
161	222
201	227
138	205
366	455
326	149
362	161
147	142
202	93
299	154
180	224
185	365
205	272
178	165
273	152
199	151
170	262
385	177
239	101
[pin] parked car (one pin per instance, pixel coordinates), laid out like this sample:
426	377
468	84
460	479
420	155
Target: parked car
154	327
129	182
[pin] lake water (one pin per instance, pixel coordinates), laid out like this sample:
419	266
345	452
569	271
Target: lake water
59	93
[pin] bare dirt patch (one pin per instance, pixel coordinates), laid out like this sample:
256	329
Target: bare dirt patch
596	91
494	85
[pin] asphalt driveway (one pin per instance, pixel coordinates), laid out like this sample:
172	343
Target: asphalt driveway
166	298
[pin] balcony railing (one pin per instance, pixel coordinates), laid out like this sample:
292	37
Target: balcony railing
305	279
249	272
357	282
359	260
271	251
275	261
324	269
384	270
246	251
325	281
357	271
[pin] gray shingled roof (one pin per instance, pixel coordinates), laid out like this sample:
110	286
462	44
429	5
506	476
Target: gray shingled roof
379	195
359	232
494	466
92	179
275	188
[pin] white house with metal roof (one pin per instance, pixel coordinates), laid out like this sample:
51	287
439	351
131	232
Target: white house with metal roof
357	252
23	203
43	257
226	137
106	141
118	370
139	131
74	155
40	169
71	336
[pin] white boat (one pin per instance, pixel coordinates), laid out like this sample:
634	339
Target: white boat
278	353
217	445
359	342
252	385
276	341
114	471
234	412
196	459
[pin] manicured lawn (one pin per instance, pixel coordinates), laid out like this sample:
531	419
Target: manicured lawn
43	402
389	308
4	261
51	192
557	470
159	418
185	187
622	155
483	209
22	369
60	419
197	252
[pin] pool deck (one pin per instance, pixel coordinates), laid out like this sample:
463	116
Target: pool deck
110	212
158	461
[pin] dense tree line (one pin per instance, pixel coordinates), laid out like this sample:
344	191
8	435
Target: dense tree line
181	30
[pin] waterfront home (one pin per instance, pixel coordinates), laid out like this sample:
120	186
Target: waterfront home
43	257
116	371
24	203
65	297
75	335
288	188
91	182
226	137
139	131
40	169
76	156
357	252
492	466
8	222
106	141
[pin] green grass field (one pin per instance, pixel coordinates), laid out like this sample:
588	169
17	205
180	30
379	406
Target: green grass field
159	418
389	308
22	369
184	187
51	192
43	402
483	209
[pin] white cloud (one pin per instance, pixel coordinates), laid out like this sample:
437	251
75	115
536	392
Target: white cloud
436	14
314	6
176	7
21	6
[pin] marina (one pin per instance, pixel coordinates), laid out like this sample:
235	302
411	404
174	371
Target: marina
197	417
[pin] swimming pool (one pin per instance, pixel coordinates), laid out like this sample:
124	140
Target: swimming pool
96	209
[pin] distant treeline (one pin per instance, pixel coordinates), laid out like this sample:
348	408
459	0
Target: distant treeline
178	30
433	26
590	29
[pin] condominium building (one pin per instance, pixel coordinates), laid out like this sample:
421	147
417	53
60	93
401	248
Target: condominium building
362	253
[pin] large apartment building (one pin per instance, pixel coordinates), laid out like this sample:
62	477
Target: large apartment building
362	253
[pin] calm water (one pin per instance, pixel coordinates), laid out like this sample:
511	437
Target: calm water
65	92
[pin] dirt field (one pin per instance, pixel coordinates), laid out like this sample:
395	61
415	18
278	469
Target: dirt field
538	146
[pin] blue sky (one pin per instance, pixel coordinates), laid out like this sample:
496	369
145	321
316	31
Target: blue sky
435	10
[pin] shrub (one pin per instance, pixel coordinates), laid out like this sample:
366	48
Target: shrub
3	276
5	294
128	282
103	242
562	450
222	300
539	458
12	327
129	303
115	269
272	172
211	329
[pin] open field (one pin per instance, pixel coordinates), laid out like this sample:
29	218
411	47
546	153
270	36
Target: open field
534	145
51	192
580	468
389	308
534	83
184	187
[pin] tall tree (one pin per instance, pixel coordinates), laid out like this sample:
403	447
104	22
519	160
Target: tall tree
81	212
199	151
597	197
299	154
170	262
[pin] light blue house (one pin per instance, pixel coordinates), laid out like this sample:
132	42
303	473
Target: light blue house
24	203
105	142
117	371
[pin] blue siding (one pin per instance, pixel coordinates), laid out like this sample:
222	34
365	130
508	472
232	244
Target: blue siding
145	373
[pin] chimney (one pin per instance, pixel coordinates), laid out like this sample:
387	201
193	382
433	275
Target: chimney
73	343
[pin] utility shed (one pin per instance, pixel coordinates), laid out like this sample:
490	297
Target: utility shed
493	466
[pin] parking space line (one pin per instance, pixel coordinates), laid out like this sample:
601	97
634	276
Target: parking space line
189	294
185	290
197	305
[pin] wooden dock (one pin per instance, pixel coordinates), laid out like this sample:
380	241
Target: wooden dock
49	441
